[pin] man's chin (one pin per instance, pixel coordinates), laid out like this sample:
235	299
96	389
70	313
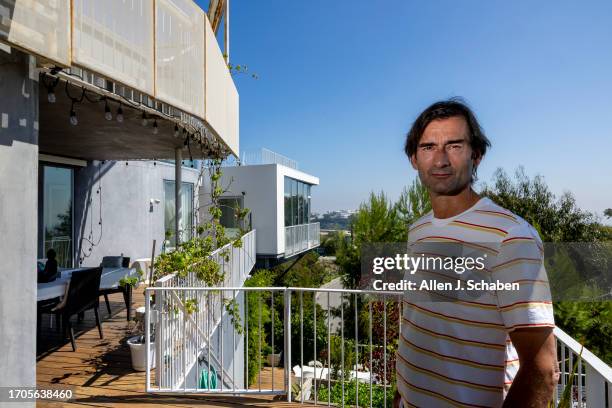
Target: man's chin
443	189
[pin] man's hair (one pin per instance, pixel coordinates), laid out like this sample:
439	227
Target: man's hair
443	110
51	253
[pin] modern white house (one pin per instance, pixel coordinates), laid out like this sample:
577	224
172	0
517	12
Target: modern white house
278	196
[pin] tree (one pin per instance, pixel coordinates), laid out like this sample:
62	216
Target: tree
608	212
559	220
556	220
413	203
376	220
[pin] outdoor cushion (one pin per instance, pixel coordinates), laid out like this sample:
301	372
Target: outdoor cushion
112	262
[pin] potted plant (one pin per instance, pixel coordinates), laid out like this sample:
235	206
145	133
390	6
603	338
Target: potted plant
137	343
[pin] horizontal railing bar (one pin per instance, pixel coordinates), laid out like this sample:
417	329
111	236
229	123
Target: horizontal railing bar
211	289
275	289
237	392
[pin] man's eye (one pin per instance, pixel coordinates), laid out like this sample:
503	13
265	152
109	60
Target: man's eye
456	146
426	147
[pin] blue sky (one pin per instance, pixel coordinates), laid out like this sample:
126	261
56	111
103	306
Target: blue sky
340	83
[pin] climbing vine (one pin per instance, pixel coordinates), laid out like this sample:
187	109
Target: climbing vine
196	255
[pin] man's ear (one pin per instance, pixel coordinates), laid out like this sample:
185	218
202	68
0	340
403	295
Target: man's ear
413	161
476	158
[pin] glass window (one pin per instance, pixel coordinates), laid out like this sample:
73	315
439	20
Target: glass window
186	221
287	201
228	211
300	213
307	203
294	203
57	213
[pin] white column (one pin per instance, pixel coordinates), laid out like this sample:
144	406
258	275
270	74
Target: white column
19	106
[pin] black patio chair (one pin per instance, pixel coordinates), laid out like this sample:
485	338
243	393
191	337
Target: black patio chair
46	307
82	295
125	291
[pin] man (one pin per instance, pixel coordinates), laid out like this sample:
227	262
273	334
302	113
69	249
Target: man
499	351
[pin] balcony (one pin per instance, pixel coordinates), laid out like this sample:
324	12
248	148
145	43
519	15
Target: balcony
101	371
161	57
314	344
300	238
312	366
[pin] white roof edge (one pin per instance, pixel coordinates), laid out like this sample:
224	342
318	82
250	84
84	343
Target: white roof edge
287	171
299	175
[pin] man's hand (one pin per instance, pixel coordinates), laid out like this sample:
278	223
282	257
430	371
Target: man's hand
539	370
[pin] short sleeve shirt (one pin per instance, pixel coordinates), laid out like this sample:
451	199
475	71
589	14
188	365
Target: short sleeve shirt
459	353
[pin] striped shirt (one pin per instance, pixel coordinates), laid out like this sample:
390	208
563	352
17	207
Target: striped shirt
458	353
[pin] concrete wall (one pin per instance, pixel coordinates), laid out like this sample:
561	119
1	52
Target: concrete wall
261	191
18	215
120	195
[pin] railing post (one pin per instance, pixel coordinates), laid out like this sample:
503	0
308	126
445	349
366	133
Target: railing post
287	362
148	340
595	389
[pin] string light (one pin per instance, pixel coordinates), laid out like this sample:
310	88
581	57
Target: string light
107	112
73	118
51	89
120	114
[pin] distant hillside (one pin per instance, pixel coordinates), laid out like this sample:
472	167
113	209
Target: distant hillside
334	221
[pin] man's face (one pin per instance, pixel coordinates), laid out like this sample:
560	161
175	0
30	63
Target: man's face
444	157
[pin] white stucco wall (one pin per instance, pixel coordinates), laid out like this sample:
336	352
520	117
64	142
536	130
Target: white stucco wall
129	222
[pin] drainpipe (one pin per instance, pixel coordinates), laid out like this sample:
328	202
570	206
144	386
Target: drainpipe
178	158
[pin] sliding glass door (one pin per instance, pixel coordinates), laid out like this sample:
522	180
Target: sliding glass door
56	205
186	221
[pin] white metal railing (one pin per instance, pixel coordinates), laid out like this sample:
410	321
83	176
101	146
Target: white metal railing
265	156
179	337
300	238
592	382
334	342
63	250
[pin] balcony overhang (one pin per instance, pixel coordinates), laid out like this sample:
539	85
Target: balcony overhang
96	138
166	51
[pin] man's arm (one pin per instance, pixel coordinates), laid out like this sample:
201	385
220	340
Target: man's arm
539	370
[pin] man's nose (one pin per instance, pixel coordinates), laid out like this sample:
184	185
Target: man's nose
441	158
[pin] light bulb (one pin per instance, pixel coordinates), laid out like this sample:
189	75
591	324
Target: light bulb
51	97
119	114
73	118
155	128
107	113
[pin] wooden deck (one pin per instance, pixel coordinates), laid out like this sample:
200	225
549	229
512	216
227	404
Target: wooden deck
100	373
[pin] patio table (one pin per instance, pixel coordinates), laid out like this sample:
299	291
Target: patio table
108	282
